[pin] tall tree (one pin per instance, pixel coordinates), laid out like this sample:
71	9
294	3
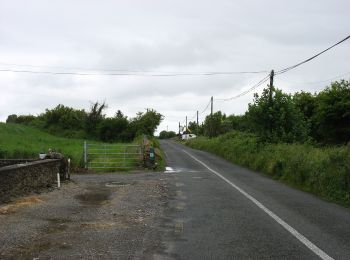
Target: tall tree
276	120
332	116
94	118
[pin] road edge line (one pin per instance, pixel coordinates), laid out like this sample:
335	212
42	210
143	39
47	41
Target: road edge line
289	228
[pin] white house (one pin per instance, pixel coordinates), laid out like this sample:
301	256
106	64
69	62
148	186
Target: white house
188	136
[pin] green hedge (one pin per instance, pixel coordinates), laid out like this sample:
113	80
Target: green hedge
322	171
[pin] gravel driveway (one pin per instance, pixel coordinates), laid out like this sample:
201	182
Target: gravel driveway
100	216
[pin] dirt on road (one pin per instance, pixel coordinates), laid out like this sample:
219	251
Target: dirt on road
101	216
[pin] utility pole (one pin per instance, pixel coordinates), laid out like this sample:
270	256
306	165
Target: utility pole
272	74
211	116
186	123
197	122
179	128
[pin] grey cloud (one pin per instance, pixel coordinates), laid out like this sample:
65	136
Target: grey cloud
163	36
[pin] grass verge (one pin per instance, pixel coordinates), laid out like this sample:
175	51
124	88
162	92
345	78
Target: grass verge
321	171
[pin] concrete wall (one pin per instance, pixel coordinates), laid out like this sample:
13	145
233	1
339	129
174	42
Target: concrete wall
28	177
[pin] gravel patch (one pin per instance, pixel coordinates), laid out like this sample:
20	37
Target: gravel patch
95	216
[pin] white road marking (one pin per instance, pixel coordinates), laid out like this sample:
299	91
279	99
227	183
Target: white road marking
290	229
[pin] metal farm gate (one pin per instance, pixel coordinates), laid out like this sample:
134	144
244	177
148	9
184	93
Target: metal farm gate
112	156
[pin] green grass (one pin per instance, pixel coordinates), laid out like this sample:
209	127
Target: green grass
322	171
160	157
159	154
19	141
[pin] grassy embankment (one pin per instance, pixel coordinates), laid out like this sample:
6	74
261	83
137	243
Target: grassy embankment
160	157
19	141
148	142
322	171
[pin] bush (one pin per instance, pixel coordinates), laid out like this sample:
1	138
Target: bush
166	134
277	119
332	113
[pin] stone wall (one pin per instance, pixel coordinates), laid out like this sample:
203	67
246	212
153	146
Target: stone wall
7	162
29	177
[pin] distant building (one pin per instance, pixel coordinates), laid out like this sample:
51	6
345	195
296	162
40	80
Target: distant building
188	136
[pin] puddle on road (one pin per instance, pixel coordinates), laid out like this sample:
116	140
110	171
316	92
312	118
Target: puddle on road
95	197
57	225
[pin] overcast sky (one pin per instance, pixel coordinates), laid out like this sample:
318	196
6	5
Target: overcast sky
164	37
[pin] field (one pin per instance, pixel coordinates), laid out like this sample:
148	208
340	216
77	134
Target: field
323	171
19	141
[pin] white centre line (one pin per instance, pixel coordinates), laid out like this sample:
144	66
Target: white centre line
290	229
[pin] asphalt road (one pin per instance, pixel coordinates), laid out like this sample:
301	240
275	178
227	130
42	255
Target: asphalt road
222	211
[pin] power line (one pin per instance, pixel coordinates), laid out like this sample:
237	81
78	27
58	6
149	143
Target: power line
133	73
155	74
271	75
262	81
311	58
69	68
322	81
64	73
284	71
193	117
205	109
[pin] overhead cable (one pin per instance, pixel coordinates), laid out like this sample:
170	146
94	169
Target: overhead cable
70	68
205	108
193	117
311	58
323	81
132	73
262	81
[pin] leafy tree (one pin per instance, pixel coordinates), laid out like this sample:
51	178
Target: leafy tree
213	124
62	117
193	127
69	122
145	123
166	134
306	103
12	119
25	119
94	118
276	120
332	116
113	129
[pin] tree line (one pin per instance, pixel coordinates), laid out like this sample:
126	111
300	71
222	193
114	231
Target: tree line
322	117
93	124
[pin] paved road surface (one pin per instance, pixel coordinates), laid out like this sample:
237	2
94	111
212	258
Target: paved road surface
215	220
